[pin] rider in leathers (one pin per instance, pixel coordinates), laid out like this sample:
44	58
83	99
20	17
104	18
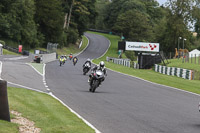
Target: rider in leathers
87	61
100	67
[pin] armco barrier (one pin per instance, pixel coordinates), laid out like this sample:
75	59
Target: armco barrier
179	72
124	62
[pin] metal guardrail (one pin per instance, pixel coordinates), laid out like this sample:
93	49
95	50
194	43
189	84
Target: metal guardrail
124	62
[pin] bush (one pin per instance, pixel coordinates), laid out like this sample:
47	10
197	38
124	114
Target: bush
2	42
130	55
72	36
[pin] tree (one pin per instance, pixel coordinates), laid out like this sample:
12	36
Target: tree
17	22
178	19
196	16
117	7
50	17
134	25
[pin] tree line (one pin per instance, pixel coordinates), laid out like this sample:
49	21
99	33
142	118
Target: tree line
147	21
34	23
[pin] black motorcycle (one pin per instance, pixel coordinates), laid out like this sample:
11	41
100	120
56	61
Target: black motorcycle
96	78
86	68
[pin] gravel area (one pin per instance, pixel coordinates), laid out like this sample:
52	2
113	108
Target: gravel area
26	126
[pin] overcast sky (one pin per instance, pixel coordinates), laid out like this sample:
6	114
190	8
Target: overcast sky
162	1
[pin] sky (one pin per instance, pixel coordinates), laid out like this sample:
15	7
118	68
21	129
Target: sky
161	1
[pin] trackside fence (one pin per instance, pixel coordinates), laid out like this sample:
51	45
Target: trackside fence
124	62
179	72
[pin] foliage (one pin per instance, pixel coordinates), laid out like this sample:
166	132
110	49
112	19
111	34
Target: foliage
49	16
16	20
73	35
196	12
2	42
146	21
130	55
34	23
134	25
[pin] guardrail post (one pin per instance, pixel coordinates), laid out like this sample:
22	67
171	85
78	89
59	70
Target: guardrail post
4	108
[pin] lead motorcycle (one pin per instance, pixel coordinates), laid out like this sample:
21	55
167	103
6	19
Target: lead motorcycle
96	78
86	68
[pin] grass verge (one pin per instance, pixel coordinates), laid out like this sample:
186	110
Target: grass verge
6	52
38	67
179	63
73	48
8	127
47	113
150	75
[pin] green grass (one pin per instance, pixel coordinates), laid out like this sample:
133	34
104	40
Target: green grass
150	75
6	52
73	48
178	63
8	127
47	113
38	67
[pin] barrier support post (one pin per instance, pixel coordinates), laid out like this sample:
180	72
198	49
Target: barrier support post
4	108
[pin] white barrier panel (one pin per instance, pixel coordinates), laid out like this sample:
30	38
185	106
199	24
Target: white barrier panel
48	57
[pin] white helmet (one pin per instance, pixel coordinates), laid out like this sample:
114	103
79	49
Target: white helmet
88	59
101	64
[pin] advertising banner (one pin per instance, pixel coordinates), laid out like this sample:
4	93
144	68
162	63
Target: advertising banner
20	48
141	46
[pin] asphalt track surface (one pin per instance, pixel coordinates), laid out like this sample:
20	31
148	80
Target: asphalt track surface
122	104
18	73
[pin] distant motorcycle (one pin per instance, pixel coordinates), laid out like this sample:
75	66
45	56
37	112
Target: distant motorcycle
86	68
75	60
96	78
62	61
70	57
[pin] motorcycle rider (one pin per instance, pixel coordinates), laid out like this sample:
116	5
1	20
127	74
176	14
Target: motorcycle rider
62	59
70	56
87	61
100	67
75	60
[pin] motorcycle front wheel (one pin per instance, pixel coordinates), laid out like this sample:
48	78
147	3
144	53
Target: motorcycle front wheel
94	85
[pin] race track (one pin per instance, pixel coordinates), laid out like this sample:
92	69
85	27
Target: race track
123	104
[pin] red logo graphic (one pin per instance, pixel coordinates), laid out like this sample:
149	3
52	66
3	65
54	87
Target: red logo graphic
152	47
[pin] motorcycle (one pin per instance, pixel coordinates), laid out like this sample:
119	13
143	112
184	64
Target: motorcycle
70	57
75	60
96	78
62	61
199	106
86	68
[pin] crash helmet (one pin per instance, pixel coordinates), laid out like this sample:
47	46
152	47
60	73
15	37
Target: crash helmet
101	64
88	59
